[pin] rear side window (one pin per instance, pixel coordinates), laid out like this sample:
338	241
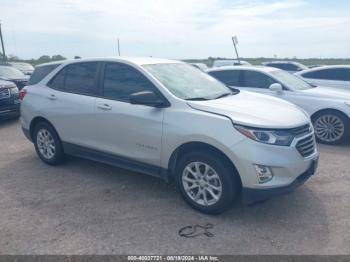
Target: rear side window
120	81
80	78
41	72
228	77
339	74
257	80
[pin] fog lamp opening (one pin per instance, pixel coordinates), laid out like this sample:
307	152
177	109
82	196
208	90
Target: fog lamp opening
264	173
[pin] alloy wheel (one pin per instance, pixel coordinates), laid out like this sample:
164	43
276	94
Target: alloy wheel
46	144
329	128
202	183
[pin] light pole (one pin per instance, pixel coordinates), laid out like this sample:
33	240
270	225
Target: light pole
235	42
2	45
118	47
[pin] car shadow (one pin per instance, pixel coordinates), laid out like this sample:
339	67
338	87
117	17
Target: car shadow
7	122
85	197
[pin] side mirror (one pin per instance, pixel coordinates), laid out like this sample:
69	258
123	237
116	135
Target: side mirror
276	87
147	98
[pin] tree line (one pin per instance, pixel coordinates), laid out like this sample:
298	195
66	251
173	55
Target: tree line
42	59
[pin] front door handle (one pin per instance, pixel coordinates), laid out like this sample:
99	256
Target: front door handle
52	97
104	107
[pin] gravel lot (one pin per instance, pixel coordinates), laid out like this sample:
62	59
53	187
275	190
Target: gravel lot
85	207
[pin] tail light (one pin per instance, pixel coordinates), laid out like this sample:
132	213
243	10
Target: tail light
22	94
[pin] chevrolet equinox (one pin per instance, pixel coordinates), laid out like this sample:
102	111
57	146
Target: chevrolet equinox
170	120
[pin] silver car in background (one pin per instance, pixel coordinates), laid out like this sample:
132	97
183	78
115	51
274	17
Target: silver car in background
337	76
329	108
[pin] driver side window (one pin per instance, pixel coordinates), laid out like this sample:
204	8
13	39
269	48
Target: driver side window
257	80
121	81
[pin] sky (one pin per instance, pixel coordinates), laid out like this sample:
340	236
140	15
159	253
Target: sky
176	29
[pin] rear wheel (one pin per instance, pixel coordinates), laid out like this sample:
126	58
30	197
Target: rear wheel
207	182
331	127
47	144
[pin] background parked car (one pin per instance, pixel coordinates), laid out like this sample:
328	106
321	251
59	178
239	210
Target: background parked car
228	62
25	68
10	73
329	108
288	66
334	76
9	100
200	66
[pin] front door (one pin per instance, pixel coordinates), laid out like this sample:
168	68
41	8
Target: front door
130	131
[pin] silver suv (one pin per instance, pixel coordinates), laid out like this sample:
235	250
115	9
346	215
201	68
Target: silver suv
167	119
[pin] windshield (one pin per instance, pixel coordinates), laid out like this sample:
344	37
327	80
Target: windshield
10	72
187	82
290	80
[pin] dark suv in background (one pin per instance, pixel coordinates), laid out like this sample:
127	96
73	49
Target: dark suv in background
289	66
9	100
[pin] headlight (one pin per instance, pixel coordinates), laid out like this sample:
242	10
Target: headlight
272	137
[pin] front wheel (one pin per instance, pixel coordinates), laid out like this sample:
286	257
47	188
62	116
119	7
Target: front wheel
206	182
331	127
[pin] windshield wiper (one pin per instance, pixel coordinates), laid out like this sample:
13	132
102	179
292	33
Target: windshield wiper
197	99
234	90
223	95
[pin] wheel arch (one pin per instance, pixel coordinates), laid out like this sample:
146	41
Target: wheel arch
37	120
197	146
317	113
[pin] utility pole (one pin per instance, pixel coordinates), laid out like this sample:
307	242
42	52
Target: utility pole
2	45
118	47
235	43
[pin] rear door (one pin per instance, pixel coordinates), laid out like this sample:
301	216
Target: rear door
123	129
70	103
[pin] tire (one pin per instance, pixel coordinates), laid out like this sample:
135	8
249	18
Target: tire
45	135
228	182
331	127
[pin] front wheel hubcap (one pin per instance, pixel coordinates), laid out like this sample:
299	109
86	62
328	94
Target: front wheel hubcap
329	128
46	144
202	184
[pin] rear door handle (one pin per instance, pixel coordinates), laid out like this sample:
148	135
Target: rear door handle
52	97
104	107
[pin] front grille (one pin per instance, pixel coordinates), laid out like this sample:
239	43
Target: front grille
306	146
302	130
4	93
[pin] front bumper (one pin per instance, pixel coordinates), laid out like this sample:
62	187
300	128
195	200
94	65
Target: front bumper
252	195
12	111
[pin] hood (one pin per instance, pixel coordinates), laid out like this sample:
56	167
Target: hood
4	83
328	92
24	78
255	110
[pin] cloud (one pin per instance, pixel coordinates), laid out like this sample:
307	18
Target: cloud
175	29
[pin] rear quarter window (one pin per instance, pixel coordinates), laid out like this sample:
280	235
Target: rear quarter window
40	73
